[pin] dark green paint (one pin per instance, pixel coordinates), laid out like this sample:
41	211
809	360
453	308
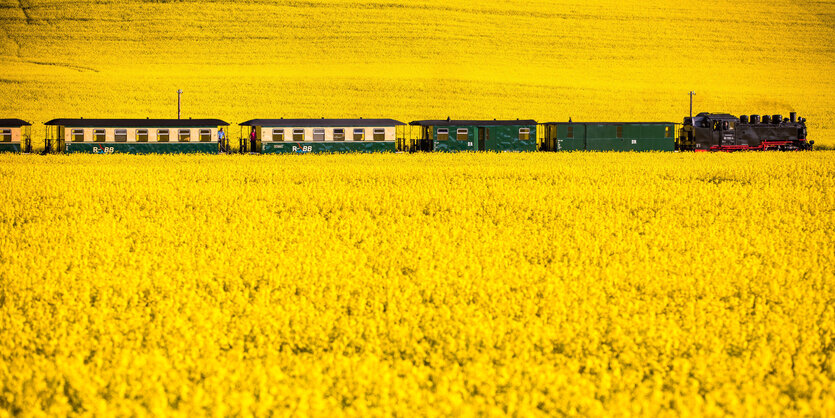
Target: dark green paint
318	147
604	137
141	147
9	147
502	138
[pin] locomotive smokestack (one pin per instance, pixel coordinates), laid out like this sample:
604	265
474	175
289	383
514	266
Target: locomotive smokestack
793	117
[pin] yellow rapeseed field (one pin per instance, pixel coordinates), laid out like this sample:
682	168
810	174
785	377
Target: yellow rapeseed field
418	59
529	284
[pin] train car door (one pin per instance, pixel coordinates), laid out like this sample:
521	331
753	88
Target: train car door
60	138
483	135
426	141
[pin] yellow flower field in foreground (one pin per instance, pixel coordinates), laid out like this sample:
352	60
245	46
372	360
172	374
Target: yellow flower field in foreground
589	60
418	284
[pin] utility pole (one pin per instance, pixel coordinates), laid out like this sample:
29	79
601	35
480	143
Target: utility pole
692	93
180	94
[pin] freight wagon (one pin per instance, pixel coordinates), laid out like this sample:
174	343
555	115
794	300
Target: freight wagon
134	136
279	136
15	135
608	136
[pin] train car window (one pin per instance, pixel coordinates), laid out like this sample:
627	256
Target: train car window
141	135
339	134
318	134
570	133
78	135
99	135
668	132
462	134
620	131
359	134
5	135
379	134
205	135
443	134
120	135
184	135
524	134
162	135
298	135
278	134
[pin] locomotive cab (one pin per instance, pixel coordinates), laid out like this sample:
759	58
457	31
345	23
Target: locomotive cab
707	130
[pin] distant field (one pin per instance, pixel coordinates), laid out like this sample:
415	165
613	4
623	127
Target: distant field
618	61
418	285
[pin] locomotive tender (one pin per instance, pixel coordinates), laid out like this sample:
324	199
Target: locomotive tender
704	132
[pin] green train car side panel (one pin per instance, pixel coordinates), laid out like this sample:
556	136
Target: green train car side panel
504	138
9	147
454	145
141	147
327	147
577	141
604	137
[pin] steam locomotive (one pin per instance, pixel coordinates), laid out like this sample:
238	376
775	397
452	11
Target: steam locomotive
724	132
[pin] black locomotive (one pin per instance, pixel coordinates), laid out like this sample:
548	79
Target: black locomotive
724	132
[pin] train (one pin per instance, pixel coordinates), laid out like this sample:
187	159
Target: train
705	132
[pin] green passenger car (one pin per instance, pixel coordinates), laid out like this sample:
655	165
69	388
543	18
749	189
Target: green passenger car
136	136
302	136
15	135
609	136
474	135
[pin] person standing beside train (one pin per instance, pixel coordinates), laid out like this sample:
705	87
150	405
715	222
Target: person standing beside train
252	138
221	136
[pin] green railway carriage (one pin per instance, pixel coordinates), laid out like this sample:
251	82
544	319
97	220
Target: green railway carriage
135	136
474	135
15	135
279	136
609	136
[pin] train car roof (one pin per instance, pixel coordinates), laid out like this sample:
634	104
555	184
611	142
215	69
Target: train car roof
461	122
321	123
13	123
137	123
609	123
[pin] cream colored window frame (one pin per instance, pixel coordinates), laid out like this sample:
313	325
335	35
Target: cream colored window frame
99	135
359	134
141	135
278	134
